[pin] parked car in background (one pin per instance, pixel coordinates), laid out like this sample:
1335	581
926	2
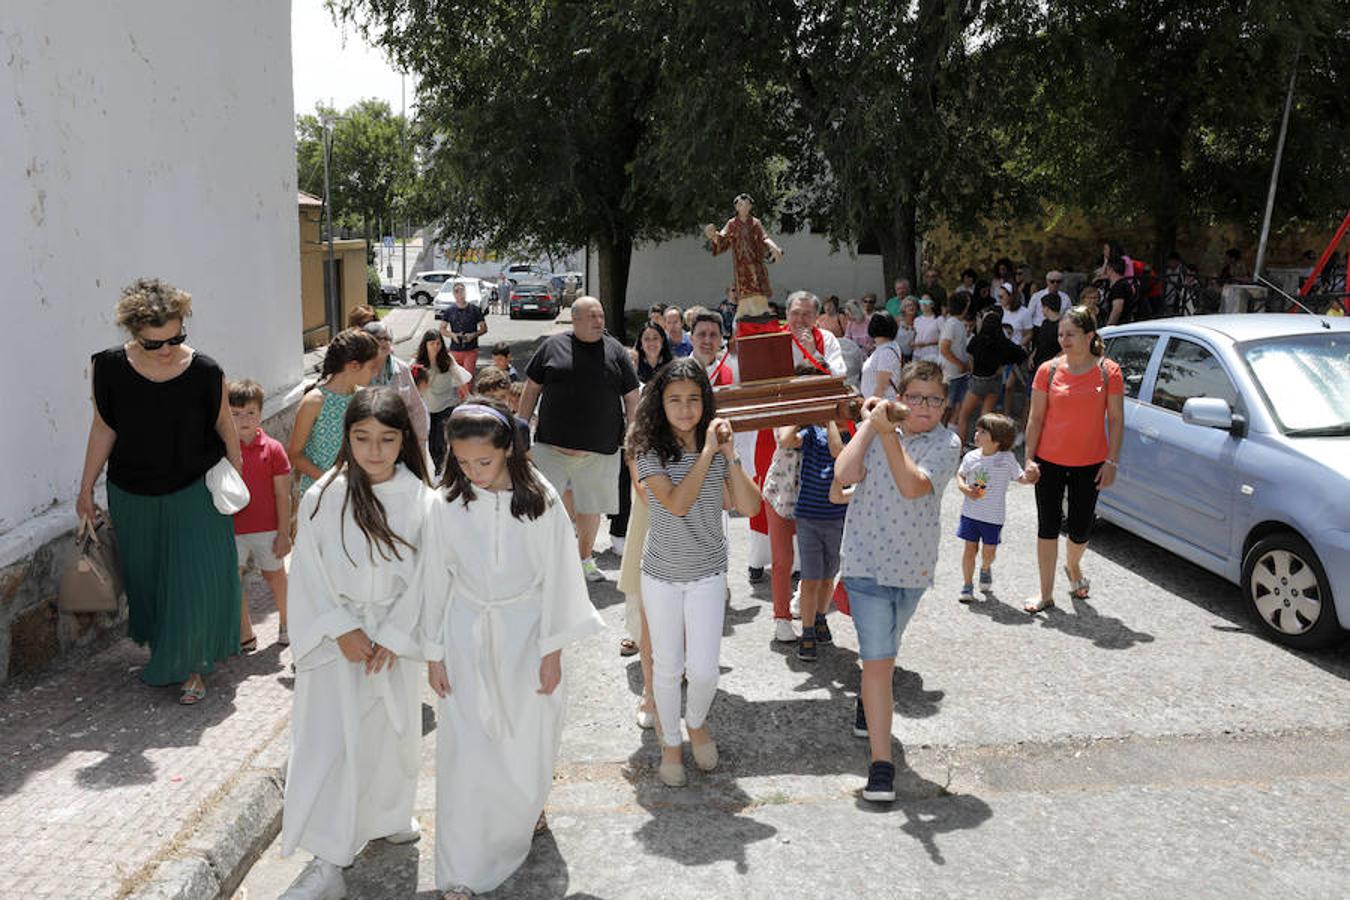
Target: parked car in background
527	272
533	301
424	286
391	294
1236	457
473	294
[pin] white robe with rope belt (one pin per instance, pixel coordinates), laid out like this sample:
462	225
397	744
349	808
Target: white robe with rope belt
355	737
509	592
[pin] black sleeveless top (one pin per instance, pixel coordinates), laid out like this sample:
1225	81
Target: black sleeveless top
166	430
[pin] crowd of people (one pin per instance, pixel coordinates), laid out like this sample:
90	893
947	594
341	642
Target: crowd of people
448	516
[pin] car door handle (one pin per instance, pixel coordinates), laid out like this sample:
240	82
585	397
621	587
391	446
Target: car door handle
1149	434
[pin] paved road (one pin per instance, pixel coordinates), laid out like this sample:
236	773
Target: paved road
1142	743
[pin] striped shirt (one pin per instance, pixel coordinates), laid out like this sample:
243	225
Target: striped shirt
813	499
691	546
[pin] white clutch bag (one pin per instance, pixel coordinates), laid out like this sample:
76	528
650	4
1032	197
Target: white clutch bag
227	487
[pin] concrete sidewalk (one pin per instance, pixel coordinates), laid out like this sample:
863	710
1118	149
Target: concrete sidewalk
110	788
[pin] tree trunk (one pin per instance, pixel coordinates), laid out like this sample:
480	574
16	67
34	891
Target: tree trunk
896	237
615	256
1167	211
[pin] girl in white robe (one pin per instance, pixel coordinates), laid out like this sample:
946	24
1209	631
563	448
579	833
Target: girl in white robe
354	610
508	595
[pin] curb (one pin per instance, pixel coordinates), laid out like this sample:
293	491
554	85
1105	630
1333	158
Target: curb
212	859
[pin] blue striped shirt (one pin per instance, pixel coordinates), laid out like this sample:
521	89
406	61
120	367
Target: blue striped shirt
813	500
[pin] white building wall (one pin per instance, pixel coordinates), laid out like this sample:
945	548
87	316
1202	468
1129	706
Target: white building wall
682	271
137	138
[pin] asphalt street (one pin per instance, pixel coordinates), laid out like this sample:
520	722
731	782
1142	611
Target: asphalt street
1142	743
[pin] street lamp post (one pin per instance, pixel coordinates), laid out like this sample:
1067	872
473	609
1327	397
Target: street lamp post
331	301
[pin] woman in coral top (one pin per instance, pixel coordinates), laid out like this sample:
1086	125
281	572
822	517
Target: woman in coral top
1073	435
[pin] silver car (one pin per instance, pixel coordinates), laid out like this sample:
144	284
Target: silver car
1237	457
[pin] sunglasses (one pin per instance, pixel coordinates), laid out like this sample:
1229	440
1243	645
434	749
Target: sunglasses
170	342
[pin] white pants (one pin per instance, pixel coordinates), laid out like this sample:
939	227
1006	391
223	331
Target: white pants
685	622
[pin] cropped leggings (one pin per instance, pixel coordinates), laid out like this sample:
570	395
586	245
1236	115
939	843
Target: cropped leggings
1081	484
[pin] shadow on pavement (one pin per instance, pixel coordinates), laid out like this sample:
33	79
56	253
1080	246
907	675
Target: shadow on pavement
708	821
1076	618
1180	578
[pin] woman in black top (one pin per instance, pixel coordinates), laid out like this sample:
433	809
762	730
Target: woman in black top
653	350
161	420
989	350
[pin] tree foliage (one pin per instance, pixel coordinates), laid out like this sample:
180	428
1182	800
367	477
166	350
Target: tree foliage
901	116
370	165
604	123
1168	112
552	124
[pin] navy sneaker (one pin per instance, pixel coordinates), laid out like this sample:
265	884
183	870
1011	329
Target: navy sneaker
823	635
806	645
859	720
756	574
880	783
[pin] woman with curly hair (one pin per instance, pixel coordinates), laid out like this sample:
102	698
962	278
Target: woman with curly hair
161	420
687	462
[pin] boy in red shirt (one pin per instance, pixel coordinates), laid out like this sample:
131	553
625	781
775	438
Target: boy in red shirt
262	530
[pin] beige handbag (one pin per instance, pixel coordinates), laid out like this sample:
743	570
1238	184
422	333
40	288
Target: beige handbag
92	580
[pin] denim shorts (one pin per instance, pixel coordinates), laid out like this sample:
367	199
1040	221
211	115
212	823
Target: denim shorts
818	547
956	390
880	614
978	532
985	385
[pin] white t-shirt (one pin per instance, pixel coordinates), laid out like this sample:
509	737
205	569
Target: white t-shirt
1021	323
887	357
954	330
927	329
995	472
1038	310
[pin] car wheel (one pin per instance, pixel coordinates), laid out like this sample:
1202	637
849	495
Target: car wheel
421	299
1287	589
514	315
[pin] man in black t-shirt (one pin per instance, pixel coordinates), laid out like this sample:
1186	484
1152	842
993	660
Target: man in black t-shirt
587	392
462	324
1119	305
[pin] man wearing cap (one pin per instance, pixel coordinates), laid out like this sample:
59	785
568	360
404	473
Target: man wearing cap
1053	279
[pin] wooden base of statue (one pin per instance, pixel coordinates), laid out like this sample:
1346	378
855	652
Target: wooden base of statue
763	355
795	400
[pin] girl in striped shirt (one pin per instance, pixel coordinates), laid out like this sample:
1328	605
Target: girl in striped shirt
688	463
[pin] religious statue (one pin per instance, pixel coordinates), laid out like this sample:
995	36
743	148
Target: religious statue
745	237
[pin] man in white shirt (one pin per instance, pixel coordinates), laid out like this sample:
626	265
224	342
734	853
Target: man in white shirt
1053	280
802	311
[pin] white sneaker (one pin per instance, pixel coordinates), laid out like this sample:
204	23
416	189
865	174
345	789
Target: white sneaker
795	607
616	544
591	570
1020	439
406	837
319	880
783	632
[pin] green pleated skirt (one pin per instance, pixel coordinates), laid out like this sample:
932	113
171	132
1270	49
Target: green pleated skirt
181	572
